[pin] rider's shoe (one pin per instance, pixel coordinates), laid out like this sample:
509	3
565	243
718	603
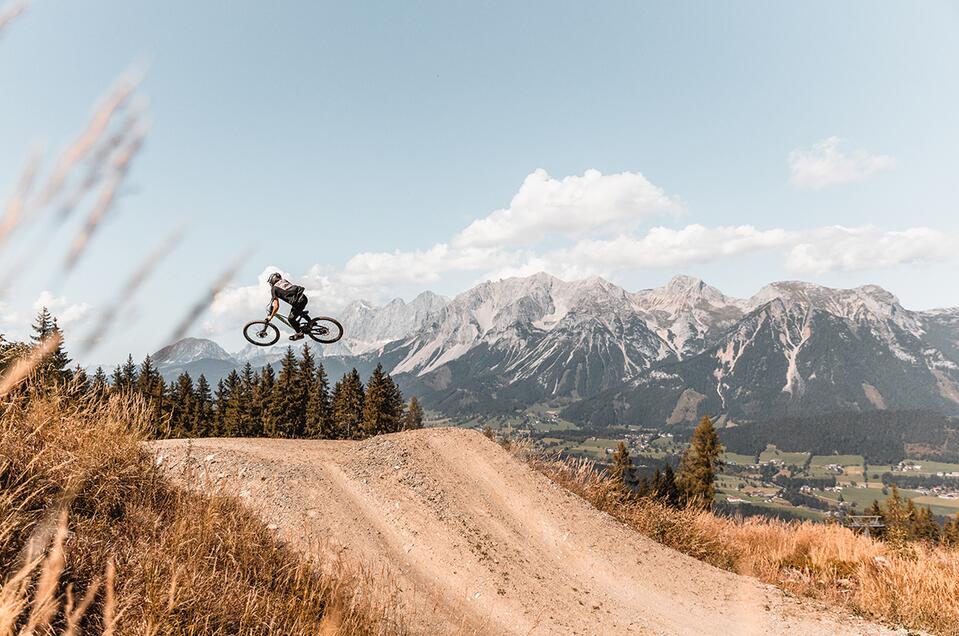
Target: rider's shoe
296	336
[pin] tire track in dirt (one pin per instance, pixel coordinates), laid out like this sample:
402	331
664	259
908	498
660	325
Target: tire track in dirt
477	542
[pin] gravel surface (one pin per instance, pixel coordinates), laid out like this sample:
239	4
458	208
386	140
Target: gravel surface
477	542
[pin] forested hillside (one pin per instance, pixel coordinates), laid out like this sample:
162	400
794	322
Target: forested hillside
881	436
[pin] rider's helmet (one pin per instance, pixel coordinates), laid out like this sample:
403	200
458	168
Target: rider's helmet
275	276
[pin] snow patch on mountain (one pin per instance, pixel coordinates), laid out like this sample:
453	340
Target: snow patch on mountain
687	313
541	311
368	327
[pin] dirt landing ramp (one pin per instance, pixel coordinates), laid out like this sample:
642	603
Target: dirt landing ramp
480	543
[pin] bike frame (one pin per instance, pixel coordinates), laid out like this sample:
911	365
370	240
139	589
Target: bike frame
283	319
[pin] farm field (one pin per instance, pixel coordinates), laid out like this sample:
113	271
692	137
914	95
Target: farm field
770	454
929	467
741	460
840	460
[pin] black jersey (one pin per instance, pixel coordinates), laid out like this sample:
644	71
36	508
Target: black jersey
287	291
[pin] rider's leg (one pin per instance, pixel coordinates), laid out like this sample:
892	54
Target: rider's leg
297	312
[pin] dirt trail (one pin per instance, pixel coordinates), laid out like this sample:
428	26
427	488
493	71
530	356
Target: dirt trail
480	543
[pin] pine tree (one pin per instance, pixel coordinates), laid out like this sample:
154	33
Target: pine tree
896	515
621	470
182	410
664	487
100	385
42	326
375	415
220	399
288	395
950	532
129	374
395	416
348	402
306	376
319	416
234	405
202	425
699	465
414	415
56	366
60	361
925	527
266	404
875	510
384	410
149	383
116	379
248	413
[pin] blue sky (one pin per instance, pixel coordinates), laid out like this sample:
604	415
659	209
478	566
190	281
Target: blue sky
379	149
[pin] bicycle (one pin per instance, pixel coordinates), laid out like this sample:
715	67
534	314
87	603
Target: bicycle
322	329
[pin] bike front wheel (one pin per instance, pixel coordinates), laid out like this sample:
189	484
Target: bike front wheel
261	333
324	329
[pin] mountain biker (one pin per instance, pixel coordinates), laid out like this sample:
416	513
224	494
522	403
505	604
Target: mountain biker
282	289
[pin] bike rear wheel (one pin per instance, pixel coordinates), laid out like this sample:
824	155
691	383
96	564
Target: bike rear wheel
261	333
324	329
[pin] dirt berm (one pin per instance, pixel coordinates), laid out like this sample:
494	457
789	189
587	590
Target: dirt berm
477	542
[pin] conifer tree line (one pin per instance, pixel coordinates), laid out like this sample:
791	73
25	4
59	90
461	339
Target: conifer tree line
694	485
296	402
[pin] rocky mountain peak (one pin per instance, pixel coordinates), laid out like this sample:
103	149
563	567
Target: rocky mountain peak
869	303
189	350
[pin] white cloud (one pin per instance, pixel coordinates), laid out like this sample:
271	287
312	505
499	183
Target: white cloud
829	162
248	301
659	247
572	206
66	312
419	266
852	248
543	208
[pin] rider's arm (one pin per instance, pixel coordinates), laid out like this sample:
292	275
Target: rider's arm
274	307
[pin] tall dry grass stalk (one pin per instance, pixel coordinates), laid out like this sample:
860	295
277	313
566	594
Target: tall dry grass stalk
14	211
915	586
10	12
86	143
24	366
94	538
106	318
127	149
201	305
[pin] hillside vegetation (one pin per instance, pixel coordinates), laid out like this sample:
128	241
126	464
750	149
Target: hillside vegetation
914	584
94	538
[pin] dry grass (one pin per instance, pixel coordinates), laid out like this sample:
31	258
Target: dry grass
915	586
94	538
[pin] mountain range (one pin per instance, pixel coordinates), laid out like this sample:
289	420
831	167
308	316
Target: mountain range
663	356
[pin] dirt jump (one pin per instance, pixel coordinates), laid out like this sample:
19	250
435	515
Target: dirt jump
479	543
